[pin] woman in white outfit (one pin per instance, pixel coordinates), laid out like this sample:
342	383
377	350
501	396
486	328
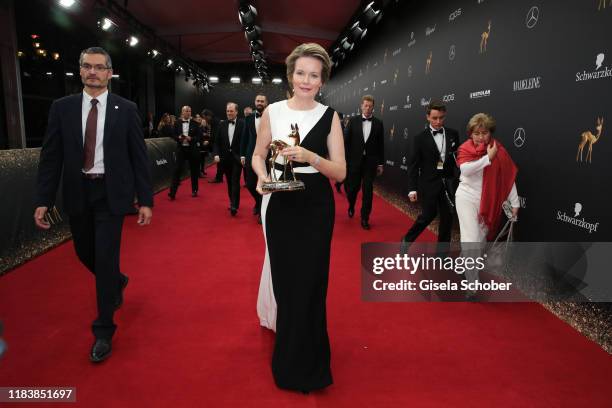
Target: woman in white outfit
487	180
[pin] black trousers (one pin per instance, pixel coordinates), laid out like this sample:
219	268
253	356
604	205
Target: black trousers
96	234
362	177
192	156
232	169
251	182
432	206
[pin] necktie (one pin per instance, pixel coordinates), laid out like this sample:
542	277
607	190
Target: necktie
231	122
366	119
91	127
437	132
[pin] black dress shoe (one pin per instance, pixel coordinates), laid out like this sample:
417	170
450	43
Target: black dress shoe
194	193
101	350
214	181
365	225
233	211
172	196
259	219
338	186
119	300
351	212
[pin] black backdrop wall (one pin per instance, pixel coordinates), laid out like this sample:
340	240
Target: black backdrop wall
541	68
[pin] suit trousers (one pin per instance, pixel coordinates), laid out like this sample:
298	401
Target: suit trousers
433	205
251	182
96	234
361	177
192	156
232	169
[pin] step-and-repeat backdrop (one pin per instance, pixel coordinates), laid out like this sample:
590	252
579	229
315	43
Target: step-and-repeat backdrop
543	69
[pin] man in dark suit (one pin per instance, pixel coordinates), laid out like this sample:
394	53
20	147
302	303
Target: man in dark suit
433	174
365	158
247	146
188	135
95	138
226	151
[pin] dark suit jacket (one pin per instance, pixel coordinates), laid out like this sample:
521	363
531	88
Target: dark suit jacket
354	145
423	175
222	146
126	164
195	131
248	138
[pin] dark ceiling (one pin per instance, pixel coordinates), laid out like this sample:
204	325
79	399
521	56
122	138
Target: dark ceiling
210	31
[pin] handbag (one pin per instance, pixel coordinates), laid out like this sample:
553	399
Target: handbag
497	251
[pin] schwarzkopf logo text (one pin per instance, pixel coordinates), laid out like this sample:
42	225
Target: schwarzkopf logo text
390	163
430	30
526	84
580	223
425	102
454	15
161	162
598	73
480	94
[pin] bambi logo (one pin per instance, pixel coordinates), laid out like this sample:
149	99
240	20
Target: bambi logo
405	133
412	40
382	107
428	64
601	4
409	71
484	39
395	76
392	133
591	139
403	165
385	57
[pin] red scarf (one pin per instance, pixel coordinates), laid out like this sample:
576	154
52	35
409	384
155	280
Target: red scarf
497	181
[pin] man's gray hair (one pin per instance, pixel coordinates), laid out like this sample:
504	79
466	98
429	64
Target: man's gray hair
96	50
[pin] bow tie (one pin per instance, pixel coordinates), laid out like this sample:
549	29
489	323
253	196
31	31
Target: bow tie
366	119
257	114
437	132
231	122
185	121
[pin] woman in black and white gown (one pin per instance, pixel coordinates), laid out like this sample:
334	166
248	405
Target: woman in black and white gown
298	225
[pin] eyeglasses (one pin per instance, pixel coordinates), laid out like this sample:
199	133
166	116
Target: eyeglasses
96	68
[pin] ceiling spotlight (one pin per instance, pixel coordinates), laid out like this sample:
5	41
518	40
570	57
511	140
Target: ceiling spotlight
256	45
356	32
132	41
66	3
247	15
55	56
20	54
277	81
36	45
235	80
69	74
213	79
257	56
116	76
153	54
169	63
106	24
49	73
256	80
252	33
370	14
346	44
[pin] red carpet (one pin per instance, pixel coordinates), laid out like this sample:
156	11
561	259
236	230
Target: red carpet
189	336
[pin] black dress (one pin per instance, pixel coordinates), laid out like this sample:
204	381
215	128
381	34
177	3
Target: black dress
299	228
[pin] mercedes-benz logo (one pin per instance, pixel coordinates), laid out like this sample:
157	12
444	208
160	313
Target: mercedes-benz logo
519	137
532	17
451	52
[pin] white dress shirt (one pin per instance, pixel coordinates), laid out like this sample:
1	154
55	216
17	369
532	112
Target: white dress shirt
231	128
367	128
98	167
440	140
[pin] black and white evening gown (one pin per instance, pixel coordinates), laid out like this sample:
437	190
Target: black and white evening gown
298	229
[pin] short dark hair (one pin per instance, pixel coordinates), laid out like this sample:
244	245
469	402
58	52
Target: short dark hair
207	112
439	106
96	50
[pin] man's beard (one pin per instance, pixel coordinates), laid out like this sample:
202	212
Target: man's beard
98	85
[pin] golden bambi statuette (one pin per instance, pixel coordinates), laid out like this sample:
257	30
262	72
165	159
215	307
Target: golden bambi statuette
284	184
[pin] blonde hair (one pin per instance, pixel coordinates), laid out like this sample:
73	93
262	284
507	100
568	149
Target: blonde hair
368	98
481	120
313	50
